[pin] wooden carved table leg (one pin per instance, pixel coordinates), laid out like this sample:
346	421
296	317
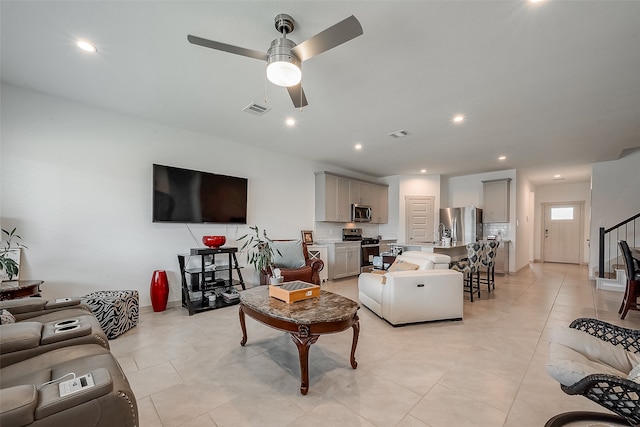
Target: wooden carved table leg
354	343
242	325
303	340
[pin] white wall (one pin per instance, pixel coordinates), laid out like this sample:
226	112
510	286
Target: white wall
524	222
402	186
615	196
459	191
572	192
77	183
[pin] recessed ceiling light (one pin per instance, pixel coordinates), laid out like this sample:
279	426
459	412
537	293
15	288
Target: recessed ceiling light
290	122
423	171
557	176
458	119
502	158
86	46
358	147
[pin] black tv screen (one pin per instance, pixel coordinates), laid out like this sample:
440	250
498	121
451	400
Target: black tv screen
183	195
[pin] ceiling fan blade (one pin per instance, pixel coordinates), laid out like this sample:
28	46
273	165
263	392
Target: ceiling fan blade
227	48
341	32
297	96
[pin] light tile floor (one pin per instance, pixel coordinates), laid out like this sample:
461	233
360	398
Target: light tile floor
487	370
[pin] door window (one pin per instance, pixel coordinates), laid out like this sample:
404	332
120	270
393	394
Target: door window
559	214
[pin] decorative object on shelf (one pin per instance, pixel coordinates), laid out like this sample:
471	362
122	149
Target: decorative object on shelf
260	253
159	290
214	241
307	237
10	255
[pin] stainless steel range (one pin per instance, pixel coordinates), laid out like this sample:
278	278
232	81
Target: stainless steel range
369	247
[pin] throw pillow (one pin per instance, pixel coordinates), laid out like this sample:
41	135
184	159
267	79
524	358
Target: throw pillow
634	375
399	265
290	256
568	366
594	348
6	317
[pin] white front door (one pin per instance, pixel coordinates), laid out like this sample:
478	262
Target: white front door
419	219
561	232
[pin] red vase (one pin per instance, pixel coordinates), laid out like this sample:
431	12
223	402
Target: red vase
159	290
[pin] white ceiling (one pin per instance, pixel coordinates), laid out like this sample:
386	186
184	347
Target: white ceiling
554	86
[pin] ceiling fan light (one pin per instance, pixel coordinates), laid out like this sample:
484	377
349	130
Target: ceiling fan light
283	73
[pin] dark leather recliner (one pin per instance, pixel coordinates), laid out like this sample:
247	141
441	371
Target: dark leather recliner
30	396
42	326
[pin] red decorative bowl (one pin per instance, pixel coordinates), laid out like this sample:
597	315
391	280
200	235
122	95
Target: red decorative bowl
214	241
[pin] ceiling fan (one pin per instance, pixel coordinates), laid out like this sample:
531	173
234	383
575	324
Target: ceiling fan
284	57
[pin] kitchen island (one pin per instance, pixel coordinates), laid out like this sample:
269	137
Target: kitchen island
456	251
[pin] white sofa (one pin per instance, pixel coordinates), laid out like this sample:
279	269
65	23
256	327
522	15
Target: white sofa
432	292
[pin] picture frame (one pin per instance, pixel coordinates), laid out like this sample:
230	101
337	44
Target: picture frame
307	237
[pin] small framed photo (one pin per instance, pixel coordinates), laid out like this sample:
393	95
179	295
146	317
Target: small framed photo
307	237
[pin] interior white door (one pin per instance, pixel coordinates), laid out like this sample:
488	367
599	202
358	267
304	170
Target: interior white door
561	233
419	219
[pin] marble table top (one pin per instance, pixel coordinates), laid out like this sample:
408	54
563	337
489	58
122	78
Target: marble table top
328	307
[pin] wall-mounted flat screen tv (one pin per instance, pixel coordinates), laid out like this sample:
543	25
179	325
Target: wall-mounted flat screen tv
188	196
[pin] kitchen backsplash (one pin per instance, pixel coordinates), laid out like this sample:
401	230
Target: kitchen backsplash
332	231
497	229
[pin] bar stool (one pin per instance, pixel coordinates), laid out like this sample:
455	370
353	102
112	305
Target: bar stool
632	291
471	266
489	263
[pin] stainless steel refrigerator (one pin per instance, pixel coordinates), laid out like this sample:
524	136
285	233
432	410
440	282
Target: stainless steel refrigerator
465	223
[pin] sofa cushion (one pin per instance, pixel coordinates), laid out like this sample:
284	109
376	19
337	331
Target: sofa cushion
400	265
24	305
6	317
290	256
634	375
18	405
20	336
567	366
425	260
595	349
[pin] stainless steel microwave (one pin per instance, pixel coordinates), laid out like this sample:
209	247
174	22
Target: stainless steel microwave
360	213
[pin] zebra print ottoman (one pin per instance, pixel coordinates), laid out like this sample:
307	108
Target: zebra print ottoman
116	311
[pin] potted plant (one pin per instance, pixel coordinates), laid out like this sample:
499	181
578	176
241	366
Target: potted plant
260	253
10	253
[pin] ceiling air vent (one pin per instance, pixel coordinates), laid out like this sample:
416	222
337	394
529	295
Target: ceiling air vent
256	109
399	134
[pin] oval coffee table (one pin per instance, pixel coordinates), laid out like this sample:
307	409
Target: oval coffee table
305	320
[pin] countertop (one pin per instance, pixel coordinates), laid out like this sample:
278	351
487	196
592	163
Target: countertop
438	245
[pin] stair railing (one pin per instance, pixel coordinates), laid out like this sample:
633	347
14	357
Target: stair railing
622	231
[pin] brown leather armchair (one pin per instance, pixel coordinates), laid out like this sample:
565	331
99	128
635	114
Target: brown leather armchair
289	256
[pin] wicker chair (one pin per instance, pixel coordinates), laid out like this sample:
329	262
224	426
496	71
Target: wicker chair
619	395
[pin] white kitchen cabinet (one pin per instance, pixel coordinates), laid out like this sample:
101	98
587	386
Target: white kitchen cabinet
332	198
496	200
344	259
381	209
502	258
320	252
335	194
